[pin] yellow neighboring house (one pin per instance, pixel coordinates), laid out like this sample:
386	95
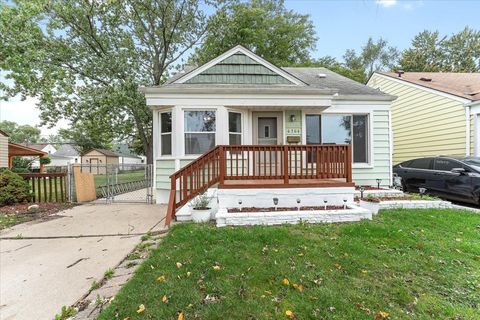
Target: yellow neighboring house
435	113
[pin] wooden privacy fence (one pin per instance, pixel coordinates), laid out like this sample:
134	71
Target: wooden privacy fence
47	187
283	163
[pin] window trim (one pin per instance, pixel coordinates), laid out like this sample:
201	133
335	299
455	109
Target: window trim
165	133
199	109
369	163
241	126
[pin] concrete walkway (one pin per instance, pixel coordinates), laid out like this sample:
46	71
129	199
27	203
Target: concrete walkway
47	265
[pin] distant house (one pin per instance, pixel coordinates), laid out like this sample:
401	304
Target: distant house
3	149
65	155
435	113
45	147
126	156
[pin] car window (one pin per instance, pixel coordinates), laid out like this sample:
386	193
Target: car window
422	163
446	164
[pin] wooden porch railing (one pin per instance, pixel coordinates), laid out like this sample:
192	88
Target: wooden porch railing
258	162
47	187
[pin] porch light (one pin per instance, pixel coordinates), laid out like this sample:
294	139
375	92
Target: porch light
292	118
275	201
362	189
378	183
422	191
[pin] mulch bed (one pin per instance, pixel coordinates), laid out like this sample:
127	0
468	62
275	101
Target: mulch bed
18	213
369	188
280	209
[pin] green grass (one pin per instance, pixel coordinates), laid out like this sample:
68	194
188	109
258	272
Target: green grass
122	176
411	264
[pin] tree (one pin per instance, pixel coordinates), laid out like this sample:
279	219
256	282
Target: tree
430	53
20	134
80	135
374	56
85	60
266	27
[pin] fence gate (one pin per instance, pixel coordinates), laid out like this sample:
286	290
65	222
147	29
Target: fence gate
120	182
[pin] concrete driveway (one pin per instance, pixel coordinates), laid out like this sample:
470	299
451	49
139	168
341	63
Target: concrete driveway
47	265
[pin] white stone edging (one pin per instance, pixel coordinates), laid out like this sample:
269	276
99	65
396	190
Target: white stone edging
374	207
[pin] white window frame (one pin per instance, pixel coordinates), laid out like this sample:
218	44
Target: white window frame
165	133
184	132
241	125
369	163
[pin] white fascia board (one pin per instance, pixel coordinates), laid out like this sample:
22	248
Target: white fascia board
248	53
417	86
260	100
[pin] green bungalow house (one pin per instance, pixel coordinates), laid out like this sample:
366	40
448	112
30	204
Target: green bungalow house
249	128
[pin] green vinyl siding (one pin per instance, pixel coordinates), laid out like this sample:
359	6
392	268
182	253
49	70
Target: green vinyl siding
381	154
164	168
238	69
423	123
293	128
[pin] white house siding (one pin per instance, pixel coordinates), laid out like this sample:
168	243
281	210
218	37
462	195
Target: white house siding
424	123
381	154
3	151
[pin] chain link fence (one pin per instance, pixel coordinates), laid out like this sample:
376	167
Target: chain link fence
116	182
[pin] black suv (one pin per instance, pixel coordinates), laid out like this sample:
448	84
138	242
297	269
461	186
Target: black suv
453	178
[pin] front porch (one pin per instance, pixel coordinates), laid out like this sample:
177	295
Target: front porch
263	166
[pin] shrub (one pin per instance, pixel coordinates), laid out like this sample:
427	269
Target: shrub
13	189
20	170
45	160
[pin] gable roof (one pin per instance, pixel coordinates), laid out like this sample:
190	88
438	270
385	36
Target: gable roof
240	71
464	85
105	152
3	133
238	66
67	150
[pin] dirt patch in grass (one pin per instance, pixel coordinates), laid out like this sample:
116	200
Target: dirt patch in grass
11	215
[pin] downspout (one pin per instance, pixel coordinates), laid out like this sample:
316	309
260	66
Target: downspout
467	130
390	145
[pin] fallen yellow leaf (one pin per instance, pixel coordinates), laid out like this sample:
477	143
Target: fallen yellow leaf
299	287
338	266
301	254
216	268
382	315
364	271
189	274
190	306
268	292
179	265
141	308
181	316
286	282
290	314
161	279
165	299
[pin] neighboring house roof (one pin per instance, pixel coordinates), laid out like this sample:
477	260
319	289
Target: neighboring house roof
124	151
67	150
240	70
3	133
105	152
465	85
37	146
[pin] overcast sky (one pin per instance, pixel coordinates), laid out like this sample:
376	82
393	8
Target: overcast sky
340	25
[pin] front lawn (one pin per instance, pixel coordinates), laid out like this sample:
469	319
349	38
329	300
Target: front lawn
421	264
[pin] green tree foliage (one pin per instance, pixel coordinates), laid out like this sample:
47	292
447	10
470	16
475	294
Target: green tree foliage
432	53
20	134
13	189
266	27
85	60
374	56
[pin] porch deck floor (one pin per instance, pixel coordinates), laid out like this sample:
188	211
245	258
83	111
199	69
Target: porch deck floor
279	183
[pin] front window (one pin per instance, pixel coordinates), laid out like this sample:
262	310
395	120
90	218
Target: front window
166	133
234	128
340	129
199	131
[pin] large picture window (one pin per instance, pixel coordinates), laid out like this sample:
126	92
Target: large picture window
199	129
234	128
166	133
340	129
